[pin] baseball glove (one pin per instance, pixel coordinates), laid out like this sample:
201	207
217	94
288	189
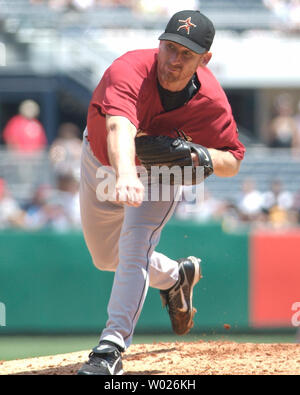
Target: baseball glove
175	154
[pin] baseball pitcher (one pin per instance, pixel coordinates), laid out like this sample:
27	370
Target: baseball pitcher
153	108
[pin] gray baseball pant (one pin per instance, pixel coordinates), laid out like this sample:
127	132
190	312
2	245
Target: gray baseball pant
122	239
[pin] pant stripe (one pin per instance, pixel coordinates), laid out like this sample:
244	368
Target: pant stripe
147	266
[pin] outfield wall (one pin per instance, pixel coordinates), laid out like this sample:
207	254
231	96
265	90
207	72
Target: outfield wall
48	283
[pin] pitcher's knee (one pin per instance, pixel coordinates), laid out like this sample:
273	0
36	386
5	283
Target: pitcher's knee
105	262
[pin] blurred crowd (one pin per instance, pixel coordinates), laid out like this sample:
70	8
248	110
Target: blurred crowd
284	127
80	5
287	11
55	205
157	7
275	208
51	207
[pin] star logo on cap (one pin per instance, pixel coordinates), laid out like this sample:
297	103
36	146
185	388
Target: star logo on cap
187	24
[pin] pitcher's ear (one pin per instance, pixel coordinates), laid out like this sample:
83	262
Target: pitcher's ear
205	58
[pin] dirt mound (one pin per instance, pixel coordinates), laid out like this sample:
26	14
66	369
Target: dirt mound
194	358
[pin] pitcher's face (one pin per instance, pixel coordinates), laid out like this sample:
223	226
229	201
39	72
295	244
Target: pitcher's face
176	65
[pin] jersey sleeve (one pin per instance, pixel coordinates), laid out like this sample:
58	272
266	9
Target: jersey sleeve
224	127
117	91
230	140
216	116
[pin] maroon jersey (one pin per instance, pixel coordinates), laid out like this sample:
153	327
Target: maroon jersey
129	88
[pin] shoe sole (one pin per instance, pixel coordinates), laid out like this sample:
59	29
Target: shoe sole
197	276
93	374
79	373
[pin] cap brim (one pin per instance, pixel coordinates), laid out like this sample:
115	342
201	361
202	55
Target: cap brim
177	38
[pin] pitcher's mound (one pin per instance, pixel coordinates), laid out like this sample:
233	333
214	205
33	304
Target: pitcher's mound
193	358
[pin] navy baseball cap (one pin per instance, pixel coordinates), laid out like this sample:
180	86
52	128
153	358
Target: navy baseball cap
191	29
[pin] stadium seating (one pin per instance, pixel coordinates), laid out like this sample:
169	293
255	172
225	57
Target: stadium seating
262	165
236	14
80	54
24	173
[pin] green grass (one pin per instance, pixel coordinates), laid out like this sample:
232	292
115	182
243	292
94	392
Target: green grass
19	347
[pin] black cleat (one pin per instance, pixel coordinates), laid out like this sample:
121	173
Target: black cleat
178	299
105	359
